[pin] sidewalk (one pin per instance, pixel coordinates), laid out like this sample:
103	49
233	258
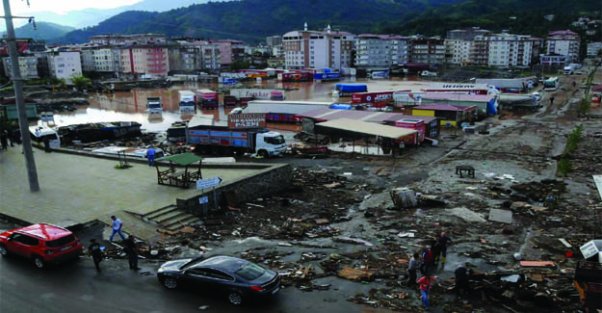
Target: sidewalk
78	189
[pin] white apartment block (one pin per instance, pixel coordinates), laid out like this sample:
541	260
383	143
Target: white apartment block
593	48
318	49
64	64
380	50
460	44
507	50
28	67
564	42
101	59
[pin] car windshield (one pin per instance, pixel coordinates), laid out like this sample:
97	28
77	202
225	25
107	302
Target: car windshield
60	242
278	140
250	271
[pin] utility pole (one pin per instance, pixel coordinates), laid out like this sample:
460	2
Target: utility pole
30	162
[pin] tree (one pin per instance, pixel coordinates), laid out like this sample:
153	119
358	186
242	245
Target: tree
81	82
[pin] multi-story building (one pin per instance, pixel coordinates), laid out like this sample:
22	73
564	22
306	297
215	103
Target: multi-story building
427	51
128	40
479	51
104	59
64	64
594	48
318	49
28	66
145	60
564	42
460	44
230	51
273	41
507	50
377	51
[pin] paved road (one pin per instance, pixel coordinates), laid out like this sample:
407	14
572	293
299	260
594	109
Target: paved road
76	287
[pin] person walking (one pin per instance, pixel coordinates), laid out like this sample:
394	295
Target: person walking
443	241
412	267
424	284
552	100
150	155
116	225
96	253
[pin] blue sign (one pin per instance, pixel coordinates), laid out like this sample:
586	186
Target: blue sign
203	200
208	182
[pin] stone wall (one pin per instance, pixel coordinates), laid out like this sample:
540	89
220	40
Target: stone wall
274	178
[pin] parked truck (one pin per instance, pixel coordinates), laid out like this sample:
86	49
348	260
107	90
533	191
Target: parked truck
227	141
588	276
187	101
207	99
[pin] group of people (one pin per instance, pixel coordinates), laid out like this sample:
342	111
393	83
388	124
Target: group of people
427	261
129	246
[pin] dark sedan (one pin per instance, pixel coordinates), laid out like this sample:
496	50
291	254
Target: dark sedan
236	277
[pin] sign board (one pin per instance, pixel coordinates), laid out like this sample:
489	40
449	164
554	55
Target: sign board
591	248
208	182
246	120
203	200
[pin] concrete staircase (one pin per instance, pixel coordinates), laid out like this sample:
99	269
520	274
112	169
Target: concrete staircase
170	218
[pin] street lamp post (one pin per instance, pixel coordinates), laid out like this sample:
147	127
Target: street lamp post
19	101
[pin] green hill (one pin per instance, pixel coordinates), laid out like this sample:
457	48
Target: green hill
44	31
252	20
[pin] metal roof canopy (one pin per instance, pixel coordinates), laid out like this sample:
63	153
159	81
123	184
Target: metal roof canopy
183	159
368	128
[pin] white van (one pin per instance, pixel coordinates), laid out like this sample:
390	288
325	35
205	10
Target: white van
40	133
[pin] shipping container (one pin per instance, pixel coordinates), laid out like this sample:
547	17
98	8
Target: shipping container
376	99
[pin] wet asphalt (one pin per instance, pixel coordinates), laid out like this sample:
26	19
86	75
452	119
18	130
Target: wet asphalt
77	287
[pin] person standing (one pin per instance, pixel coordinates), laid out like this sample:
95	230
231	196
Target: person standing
424	284
129	246
4	139
442	241
427	261
552	100
412	267
150	155
462	275
116	225
96	253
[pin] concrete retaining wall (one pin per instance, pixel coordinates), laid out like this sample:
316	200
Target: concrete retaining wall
275	178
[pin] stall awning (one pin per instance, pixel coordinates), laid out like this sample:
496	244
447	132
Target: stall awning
367	128
182	159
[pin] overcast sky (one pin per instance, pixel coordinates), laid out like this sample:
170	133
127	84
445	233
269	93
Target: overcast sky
19	7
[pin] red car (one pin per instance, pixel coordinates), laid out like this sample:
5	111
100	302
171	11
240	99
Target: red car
41	243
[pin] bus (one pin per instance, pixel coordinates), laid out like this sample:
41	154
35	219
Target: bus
551	83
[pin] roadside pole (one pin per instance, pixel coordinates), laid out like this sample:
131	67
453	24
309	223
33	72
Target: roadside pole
19	101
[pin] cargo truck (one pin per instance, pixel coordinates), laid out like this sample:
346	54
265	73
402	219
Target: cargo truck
227	141
187	103
207	99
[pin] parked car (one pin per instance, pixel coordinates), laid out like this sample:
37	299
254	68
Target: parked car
41	243
237	278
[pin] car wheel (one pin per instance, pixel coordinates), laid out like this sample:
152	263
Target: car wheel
235	298
170	283
38	262
263	154
3	251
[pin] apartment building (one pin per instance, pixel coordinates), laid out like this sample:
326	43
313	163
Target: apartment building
508	50
128	40
230	51
145	60
427	51
28	66
102	59
64	64
318	49
460	45
378	51
564	42
594	48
